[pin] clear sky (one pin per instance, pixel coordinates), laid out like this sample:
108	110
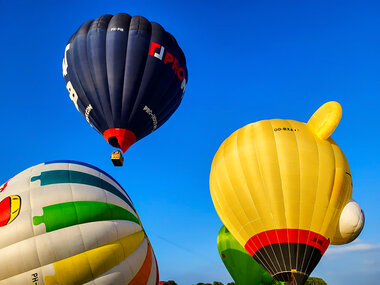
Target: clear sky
247	61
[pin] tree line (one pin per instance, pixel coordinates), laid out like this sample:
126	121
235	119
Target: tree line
310	281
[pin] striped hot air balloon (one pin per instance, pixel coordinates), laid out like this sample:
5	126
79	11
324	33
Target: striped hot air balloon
66	222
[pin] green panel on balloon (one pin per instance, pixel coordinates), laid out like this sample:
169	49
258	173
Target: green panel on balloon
241	266
63	215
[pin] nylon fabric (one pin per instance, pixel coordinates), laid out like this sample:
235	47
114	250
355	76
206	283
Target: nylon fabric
287	176
71	223
241	266
124	72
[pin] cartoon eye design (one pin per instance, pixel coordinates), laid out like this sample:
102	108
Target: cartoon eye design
9	209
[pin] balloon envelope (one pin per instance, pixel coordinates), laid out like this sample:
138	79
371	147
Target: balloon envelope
280	186
241	266
125	75
67	222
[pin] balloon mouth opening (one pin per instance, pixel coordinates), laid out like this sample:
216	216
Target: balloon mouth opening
295	245
293	277
120	138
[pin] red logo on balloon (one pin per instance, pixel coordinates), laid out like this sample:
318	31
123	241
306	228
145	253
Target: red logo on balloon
168	58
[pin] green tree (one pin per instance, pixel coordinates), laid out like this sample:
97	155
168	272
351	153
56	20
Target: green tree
217	283
315	281
231	283
172	282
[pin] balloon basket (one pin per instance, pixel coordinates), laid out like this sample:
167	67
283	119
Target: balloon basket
117	158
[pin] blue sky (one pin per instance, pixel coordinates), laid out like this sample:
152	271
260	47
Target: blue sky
247	61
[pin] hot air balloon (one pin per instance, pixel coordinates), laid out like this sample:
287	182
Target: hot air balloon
280	187
125	75
241	266
66	222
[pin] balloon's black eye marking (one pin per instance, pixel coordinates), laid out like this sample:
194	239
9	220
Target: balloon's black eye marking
349	174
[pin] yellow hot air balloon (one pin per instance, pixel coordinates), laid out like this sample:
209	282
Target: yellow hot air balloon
280	187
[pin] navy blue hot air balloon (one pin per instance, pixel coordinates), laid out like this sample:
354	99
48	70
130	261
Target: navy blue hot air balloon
125	75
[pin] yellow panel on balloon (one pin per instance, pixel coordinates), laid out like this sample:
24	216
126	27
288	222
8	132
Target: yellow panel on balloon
94	262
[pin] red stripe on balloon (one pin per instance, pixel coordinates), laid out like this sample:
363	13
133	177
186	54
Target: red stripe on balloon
143	275
286	236
157	273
